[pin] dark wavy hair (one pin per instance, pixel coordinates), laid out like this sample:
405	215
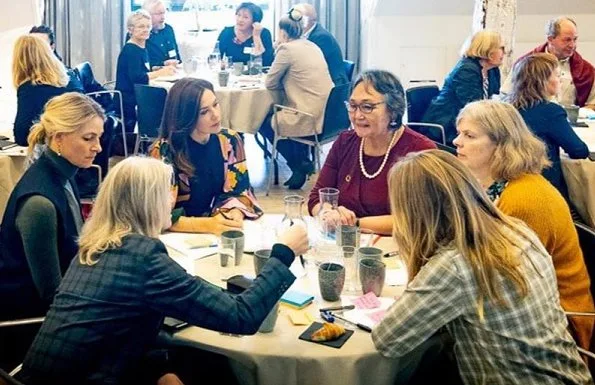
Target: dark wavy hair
391	88
254	10
180	117
45	30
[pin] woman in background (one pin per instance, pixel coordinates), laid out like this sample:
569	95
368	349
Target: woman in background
507	160
133	64
300	71
247	37
115	295
43	219
38	76
482	275
213	192
535	81
476	76
359	160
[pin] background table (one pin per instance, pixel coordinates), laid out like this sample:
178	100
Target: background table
280	357
242	109
580	176
12	163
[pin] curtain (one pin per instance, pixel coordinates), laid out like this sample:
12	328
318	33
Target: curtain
340	17
88	30
500	16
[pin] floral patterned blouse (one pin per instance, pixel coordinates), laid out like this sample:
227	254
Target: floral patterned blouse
237	191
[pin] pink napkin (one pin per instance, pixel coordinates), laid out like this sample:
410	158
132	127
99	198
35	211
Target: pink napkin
368	301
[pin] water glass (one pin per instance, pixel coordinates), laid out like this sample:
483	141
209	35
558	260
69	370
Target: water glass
190	66
214	61
349	257
348	236
227	252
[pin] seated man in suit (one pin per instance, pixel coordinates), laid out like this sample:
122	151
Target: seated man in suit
576	74
161	46
325	41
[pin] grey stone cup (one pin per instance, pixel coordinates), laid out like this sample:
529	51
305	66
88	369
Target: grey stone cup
348	236
269	322
371	274
260	259
572	112
238	238
369	252
223	78
331	279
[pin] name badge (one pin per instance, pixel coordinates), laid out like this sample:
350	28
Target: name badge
172	53
247	50
148	66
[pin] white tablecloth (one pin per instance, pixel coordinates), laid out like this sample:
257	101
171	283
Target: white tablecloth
280	357
580	176
11	169
242	109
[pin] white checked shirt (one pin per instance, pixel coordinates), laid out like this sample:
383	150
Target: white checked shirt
526	342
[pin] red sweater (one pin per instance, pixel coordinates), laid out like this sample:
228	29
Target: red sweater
365	197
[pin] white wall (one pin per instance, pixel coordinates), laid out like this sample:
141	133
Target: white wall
422	39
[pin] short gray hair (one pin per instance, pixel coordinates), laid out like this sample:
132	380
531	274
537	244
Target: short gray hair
552	27
391	88
136	16
148	5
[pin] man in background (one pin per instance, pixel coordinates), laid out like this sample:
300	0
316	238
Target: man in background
161	46
46	33
325	41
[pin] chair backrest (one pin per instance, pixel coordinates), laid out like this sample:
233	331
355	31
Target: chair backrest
586	239
85	73
7	379
150	104
418	101
349	67
336	118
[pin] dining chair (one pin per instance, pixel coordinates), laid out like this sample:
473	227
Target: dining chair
418	101
18	323
335	121
349	67
8	379
150	104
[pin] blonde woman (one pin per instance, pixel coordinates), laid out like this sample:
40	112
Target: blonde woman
43	217
476	76
125	283
38	76
481	274
133	64
535	82
507	160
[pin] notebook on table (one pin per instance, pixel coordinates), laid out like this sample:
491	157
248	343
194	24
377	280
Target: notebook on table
6	144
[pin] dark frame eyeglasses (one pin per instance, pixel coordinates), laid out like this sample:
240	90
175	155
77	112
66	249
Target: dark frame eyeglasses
365	108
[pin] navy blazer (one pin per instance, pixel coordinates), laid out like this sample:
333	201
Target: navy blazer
332	53
463	85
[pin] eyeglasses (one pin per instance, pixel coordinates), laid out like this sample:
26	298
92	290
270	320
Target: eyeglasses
295	15
365	108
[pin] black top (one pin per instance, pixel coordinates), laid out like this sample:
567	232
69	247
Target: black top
30	102
133	66
228	47
548	121
463	85
208	179
105	316
47	177
161	46
332	53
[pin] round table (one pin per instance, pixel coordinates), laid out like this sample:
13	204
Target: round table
12	164
280	357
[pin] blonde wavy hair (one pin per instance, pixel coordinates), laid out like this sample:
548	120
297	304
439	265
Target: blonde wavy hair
517	151
134	198
530	76
34	61
436	202
65	113
481	44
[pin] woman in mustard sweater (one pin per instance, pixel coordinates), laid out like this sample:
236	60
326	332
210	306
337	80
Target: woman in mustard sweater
496	145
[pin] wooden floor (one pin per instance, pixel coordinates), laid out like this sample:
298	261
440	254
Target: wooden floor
258	168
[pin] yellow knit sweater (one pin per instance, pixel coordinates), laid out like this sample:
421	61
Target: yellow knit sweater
534	200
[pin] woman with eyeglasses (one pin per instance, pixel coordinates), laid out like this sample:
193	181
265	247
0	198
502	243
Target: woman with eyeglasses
476	76
360	158
535	81
247	37
213	192
301	72
133	64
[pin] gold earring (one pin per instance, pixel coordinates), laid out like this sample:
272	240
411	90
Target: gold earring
59	151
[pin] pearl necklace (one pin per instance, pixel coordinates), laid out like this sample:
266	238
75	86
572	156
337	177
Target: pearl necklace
361	158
